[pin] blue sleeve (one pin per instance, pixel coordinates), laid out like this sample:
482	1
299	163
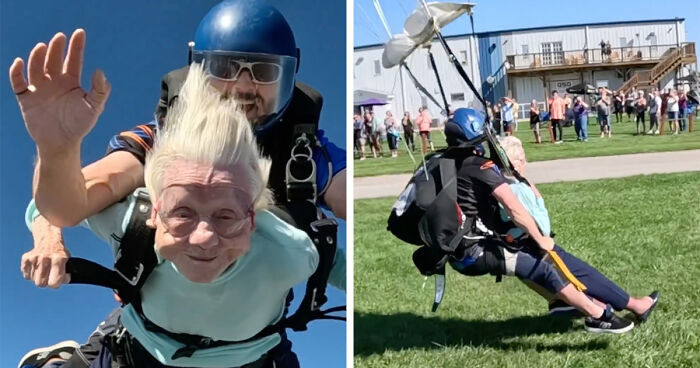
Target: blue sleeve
337	162
137	140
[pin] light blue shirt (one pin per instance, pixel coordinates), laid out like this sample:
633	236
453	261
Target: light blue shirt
244	299
508	112
533	204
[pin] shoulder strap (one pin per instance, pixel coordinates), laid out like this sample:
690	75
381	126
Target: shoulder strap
301	204
135	258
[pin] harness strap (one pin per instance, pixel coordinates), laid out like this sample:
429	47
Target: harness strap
301	204
192	343
136	258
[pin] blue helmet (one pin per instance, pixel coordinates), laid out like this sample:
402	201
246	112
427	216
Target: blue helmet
465	128
250	43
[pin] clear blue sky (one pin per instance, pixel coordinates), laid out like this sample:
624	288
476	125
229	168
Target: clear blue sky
494	15
135	43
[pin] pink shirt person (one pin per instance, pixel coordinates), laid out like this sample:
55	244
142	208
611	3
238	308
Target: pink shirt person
558	108
423	121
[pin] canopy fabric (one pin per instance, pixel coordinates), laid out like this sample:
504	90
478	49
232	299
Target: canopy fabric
419	26
582	89
397	49
419	29
371	102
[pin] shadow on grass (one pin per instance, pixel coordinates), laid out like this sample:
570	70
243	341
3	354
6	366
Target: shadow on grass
375	333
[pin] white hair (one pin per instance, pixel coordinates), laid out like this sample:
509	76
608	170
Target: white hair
204	127
513	148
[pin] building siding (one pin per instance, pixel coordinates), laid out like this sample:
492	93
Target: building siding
488	55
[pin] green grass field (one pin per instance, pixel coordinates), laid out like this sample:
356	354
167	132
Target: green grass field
623	141
642	232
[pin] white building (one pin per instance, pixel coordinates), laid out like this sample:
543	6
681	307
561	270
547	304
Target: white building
529	63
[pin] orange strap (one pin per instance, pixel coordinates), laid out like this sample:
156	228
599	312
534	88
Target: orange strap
565	271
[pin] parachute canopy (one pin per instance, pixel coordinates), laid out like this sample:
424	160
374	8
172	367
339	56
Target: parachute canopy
420	28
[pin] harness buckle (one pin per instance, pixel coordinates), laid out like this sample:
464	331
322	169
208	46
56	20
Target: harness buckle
301	171
133	281
120	334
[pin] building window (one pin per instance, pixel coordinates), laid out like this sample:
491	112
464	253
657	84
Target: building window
623	41
653	42
423	101
552	53
526	52
377	68
457	97
463	54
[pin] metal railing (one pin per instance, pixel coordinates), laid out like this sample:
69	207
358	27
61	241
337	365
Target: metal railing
596	56
672	59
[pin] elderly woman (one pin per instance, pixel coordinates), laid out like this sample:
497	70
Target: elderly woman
216	243
599	287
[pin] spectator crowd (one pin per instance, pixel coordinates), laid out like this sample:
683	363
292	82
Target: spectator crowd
369	131
669	108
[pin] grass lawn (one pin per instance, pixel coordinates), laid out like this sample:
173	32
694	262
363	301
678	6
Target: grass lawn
623	141
642	232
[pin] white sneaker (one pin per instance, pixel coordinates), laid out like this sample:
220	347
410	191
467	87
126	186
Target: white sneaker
650	132
656	132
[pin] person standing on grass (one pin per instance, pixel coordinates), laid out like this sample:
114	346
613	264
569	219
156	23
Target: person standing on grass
672	103
581	118
557	111
423	122
378	131
629	103
392	133
568	112
535	120
369	133
507	116
380	135
358	139
497	118
408	130
640	107
664	108
618	100
654	112
682	109
603	109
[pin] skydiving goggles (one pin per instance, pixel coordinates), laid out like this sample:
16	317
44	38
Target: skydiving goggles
263	68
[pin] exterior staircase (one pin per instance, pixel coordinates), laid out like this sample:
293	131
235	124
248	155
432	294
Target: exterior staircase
651	77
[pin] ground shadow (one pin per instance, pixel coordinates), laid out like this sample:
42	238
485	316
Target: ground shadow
375	333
